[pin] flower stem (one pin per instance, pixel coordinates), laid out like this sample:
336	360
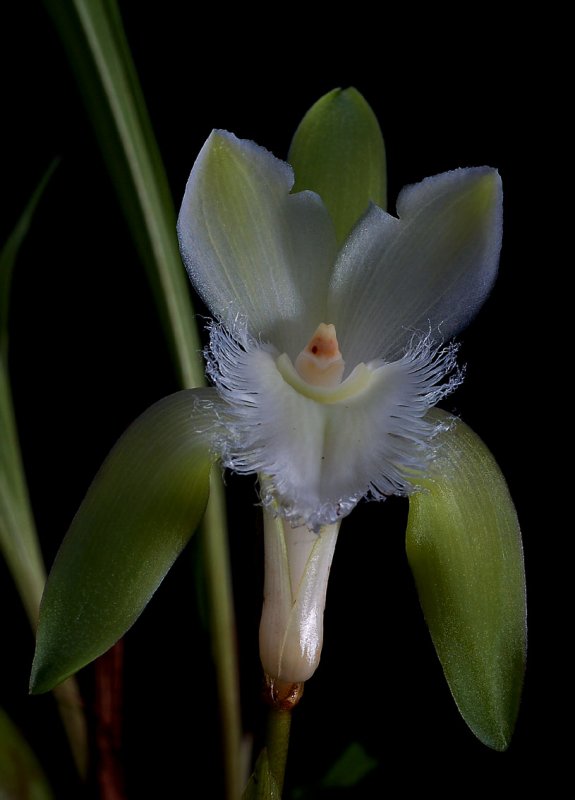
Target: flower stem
282	698
277	743
222	628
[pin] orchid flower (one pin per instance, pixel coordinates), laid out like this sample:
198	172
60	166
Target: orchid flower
325	361
330	344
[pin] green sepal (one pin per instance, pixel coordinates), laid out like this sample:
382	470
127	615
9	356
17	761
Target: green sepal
139	513
464	548
338	152
20	773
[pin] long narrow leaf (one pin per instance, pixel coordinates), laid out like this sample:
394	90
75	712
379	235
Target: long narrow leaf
9	253
18	537
93	34
94	37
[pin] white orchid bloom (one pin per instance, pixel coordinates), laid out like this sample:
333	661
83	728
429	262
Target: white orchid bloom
326	361
332	339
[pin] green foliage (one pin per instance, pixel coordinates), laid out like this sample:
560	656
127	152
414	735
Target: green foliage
18	538
350	768
21	777
93	34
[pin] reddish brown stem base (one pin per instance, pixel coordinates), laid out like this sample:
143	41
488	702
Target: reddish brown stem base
108	724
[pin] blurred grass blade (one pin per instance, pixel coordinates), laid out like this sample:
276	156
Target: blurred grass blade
9	253
139	513
18	537
93	34
21	777
338	152
464	548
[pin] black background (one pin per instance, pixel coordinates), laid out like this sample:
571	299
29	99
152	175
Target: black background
87	355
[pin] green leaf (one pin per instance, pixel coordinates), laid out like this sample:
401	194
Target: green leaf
18	538
262	784
352	766
338	152
93	34
139	513
21	777
464	547
10	251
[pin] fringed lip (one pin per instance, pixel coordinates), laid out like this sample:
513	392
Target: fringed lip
316	459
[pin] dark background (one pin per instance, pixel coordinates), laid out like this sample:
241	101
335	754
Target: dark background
87	355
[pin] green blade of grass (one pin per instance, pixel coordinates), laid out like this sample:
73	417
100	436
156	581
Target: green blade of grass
18	537
95	40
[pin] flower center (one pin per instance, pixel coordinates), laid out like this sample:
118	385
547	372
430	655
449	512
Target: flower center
320	362
319	369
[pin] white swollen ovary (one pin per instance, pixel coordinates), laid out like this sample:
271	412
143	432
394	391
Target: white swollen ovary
297	566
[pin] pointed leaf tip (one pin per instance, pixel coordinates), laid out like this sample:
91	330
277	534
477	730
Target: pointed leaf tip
464	548
338	152
139	513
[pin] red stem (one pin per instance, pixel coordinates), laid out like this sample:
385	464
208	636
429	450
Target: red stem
108	713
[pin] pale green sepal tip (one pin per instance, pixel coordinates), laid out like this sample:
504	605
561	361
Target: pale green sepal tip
138	515
262	784
338	152
465	551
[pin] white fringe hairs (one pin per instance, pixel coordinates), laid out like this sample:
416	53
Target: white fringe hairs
316	461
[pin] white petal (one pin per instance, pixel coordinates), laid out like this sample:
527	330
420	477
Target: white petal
319	452
428	271
251	249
